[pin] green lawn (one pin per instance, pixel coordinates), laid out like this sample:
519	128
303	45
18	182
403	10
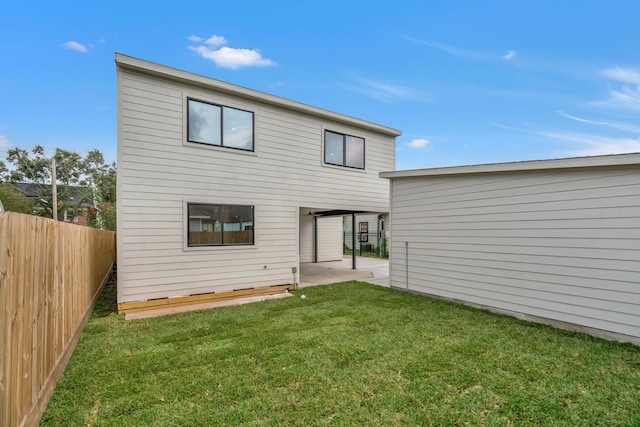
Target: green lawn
348	354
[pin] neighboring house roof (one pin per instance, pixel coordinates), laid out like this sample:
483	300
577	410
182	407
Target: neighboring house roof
74	193
532	165
125	62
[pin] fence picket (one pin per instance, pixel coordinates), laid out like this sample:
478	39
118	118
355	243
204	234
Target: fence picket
50	276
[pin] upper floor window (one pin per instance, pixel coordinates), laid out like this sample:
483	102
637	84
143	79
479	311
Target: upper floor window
343	150
219	125
220	225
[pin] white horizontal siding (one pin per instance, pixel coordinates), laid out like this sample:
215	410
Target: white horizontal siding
158	174
157	266
558	244
306	238
330	238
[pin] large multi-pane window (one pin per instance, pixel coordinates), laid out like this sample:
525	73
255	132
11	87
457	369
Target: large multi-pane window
219	125
220	225
343	150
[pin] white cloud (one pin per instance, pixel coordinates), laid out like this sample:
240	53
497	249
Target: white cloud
594	145
103	41
628	127
382	91
419	143
75	46
228	57
232	58
5	144
464	53
585	144
216	41
454	51
510	55
623	75
581	120
625	96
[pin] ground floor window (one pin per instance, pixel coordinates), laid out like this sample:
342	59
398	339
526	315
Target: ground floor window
220	225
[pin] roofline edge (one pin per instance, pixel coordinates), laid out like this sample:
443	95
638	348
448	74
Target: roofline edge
626	159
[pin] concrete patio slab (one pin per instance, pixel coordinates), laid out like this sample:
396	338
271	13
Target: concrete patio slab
371	270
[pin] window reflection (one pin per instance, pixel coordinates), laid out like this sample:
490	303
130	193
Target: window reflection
237	128
343	150
211	225
217	125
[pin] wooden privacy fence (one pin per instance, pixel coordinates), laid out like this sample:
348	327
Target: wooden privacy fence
215	237
50	277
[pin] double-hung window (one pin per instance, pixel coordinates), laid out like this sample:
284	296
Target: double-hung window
343	150
219	125
220	225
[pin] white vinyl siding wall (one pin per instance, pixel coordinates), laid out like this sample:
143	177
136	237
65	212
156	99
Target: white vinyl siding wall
306	238
330	238
557	244
159	173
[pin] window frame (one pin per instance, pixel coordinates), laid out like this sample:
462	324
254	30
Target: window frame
221	127
345	138
363	231
190	245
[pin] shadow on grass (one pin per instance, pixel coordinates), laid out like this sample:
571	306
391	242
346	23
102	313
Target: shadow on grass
107	304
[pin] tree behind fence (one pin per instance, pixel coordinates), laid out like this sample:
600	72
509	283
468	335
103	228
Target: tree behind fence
50	275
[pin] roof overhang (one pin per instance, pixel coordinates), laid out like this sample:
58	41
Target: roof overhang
128	63
614	160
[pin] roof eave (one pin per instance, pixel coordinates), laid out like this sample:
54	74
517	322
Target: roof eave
612	160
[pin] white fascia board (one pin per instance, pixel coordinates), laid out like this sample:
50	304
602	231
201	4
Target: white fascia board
124	62
532	165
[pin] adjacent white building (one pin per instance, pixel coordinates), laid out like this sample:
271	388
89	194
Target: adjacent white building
219	185
555	240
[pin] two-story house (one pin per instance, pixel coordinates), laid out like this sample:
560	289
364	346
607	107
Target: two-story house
222	189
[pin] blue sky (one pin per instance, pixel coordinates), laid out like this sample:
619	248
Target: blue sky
466	81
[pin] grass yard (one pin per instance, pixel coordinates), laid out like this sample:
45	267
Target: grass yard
348	354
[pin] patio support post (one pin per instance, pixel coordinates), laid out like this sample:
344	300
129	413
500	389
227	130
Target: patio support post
315	239
353	240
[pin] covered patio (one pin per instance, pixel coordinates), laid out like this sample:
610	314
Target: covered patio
371	270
